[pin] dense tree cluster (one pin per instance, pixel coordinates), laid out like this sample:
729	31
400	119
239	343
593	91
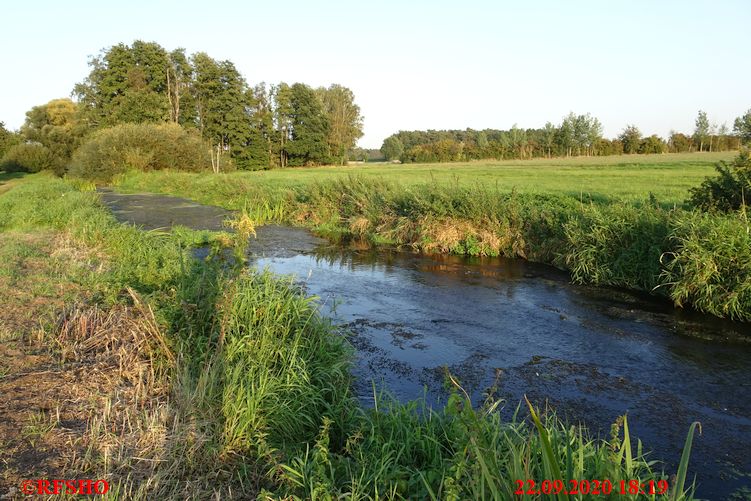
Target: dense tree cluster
258	127
242	126
576	135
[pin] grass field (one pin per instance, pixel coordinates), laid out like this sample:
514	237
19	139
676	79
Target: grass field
667	176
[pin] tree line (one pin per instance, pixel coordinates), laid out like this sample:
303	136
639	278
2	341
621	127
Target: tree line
243	126
575	135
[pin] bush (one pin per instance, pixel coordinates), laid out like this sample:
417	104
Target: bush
27	158
729	190
144	147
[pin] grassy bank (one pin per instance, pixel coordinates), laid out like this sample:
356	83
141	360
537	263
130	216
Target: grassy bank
227	383
635	240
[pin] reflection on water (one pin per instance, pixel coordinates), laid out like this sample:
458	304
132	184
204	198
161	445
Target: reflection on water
592	353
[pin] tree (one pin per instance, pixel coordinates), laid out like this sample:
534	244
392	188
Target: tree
345	121
631	139
310	128
722	139
222	100
679	143
653	144
55	125
712	134
127	84
281	96
482	140
742	127
548	137
182	106
593	133
518	139
581	132
392	148
260	148
701	132
566	134
7	139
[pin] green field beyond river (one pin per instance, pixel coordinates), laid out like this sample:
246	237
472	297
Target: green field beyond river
627	177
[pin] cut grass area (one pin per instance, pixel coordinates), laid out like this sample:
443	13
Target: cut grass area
629	177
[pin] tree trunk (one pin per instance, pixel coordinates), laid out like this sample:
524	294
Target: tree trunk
173	95
169	97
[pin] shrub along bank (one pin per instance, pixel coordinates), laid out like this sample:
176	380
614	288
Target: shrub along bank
145	147
259	386
696	259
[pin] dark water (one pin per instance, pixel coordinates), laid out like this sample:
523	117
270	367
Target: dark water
154	212
591	353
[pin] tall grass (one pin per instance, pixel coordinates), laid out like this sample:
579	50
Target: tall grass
698	260
283	368
709	266
410	451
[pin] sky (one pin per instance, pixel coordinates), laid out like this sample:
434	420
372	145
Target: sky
420	64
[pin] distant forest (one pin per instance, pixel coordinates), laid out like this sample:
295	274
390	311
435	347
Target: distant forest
575	135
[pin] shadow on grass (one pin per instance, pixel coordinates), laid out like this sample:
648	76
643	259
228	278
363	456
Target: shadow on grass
9	176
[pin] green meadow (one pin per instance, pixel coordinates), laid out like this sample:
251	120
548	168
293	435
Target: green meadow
668	176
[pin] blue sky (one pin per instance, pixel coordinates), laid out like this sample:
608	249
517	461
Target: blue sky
421	64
